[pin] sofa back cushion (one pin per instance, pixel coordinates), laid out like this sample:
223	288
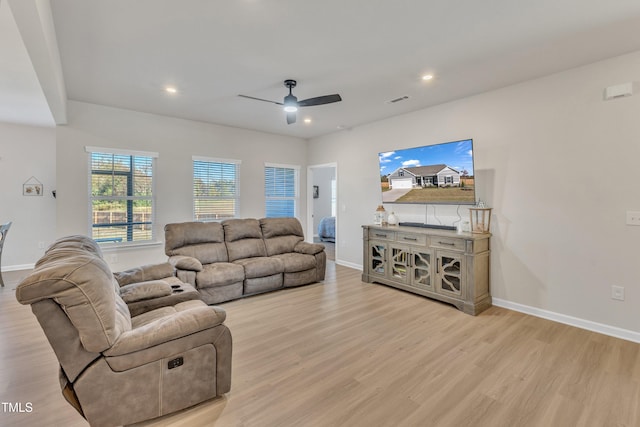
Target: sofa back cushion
243	238
80	281
281	235
201	240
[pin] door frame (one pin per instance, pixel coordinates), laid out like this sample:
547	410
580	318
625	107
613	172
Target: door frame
310	227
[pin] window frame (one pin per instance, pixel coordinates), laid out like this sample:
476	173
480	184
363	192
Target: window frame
129	198
295	198
213	160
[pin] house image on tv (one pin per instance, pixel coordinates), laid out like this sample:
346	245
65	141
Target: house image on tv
424	176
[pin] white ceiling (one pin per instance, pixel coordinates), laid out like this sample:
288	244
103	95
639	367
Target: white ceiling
122	53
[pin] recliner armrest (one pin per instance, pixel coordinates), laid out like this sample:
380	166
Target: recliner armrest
308	248
167	328
144	273
182	262
145	290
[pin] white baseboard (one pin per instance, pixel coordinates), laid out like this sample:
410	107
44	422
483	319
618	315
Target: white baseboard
601	328
18	267
349	264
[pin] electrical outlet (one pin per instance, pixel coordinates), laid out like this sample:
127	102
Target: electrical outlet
40	245
113	258
617	293
633	217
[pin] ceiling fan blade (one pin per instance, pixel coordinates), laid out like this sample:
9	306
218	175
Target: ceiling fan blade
291	118
260	99
320	100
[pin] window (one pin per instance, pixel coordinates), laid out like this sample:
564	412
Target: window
281	190
121	195
215	188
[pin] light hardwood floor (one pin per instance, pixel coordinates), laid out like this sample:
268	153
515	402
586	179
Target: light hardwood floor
346	353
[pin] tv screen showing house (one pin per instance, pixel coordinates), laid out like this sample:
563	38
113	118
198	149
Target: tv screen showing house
440	173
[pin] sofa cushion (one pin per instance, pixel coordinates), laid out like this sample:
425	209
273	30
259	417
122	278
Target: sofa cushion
281	244
274	227
294	262
260	266
243	239
237	229
182	234
281	234
201	240
246	248
219	274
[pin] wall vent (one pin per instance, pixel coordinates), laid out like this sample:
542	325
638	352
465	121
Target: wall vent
393	101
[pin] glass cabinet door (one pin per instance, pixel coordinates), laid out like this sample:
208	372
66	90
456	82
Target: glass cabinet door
421	275
400	263
378	259
450	274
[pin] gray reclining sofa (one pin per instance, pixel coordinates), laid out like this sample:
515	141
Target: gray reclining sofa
240	257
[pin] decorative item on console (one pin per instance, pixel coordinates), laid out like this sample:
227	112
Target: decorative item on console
480	217
380	216
392	219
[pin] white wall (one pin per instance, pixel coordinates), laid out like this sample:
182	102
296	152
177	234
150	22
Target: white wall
176	141
558	165
26	151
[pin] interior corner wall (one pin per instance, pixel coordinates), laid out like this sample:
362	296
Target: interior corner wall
176	141
557	164
27	154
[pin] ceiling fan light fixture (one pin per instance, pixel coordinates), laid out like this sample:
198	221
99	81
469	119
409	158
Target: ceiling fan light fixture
290	104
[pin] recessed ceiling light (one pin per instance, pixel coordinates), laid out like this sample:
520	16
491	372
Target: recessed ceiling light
307	120
427	77
170	89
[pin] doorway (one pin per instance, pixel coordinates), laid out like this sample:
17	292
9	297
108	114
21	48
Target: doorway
322	203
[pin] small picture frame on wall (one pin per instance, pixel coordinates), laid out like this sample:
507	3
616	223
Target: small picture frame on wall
32	187
316	192
32	190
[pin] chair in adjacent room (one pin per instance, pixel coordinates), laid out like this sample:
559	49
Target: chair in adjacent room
4	229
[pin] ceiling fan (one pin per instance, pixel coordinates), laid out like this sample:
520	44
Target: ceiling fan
291	103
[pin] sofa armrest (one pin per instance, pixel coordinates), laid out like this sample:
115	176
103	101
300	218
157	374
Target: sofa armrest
166	329
308	248
145	290
182	262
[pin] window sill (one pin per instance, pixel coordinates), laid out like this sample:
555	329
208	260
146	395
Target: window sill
109	247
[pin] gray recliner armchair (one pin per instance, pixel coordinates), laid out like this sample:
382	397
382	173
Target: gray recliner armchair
117	369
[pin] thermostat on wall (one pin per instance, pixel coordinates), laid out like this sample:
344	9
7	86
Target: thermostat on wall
618	91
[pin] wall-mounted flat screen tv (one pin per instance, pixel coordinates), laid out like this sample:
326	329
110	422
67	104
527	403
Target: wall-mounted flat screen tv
439	174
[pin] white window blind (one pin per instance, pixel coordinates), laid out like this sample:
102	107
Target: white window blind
215	189
281	190
121	196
